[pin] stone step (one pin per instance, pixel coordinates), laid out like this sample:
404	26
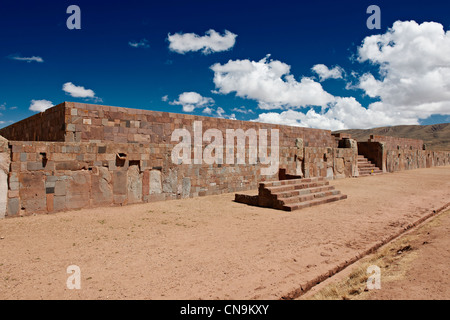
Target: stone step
294	193
362	174
366	165
290	182
298	186
307	197
315	202
374	169
369	174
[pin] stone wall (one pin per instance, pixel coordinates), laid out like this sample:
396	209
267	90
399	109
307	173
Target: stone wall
393	143
397	154
406	159
44	126
102	156
48	177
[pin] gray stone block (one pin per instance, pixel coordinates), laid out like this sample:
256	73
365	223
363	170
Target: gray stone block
155	182
13	206
186	187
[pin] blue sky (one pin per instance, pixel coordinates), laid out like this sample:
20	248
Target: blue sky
123	56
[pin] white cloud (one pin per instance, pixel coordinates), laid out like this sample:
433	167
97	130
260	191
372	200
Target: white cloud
270	83
141	44
211	42
192	100
40	105
207	110
414	66
324	73
413	82
242	110
79	91
344	113
165	98
28	59
220	112
3	107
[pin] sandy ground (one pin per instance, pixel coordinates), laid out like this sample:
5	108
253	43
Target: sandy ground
209	247
412	267
426	273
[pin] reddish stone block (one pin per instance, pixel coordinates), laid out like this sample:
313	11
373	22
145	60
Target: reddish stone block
50	200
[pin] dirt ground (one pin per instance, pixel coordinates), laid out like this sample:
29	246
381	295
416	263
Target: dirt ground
214	248
412	267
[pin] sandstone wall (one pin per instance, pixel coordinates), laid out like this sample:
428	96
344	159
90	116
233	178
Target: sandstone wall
406	159
44	126
101	156
47	177
397	154
393	143
56	176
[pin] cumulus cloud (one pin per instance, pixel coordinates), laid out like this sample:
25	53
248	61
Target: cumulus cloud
343	113
207	110
40	105
414	70
412	82
79	91
325	73
192	100
220	112
140	44
165	98
270	83
211	42
28	59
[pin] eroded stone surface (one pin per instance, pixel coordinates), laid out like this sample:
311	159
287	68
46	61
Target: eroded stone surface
155	182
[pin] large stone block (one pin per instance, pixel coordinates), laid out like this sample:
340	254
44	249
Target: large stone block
102	192
120	182
170	182
3	193
78	190
155	182
59	203
32	192
13	207
134	184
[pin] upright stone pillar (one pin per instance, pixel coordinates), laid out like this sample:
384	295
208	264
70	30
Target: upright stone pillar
5	159
354	146
299	157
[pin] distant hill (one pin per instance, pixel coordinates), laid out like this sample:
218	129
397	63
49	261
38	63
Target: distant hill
436	136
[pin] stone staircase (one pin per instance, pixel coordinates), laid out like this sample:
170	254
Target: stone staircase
294	194
367	168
